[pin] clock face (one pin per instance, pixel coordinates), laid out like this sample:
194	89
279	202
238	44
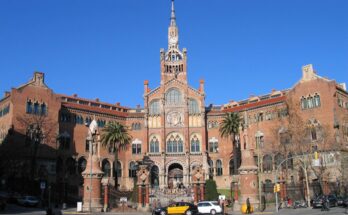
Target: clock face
173	39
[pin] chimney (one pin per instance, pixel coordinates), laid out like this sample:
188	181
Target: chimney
6	94
201	86
118	104
97	99
146	86
138	106
75	95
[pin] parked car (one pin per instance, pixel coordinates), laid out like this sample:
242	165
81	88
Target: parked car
177	208
340	200
28	201
318	202
209	207
345	202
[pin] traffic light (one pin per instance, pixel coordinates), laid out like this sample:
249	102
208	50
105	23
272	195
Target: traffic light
316	155
276	188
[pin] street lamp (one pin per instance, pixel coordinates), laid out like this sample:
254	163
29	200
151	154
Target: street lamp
259	136
92	131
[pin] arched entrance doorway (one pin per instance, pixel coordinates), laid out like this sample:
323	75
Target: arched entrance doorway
154	176
175	176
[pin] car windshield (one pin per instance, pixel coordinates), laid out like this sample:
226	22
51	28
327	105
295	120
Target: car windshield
31	198
215	203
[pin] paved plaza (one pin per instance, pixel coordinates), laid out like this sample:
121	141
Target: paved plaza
15	209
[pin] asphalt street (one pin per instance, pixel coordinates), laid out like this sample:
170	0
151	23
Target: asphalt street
15	209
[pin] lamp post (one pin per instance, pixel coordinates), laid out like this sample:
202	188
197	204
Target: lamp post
258	136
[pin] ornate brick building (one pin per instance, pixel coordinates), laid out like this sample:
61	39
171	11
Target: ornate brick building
174	128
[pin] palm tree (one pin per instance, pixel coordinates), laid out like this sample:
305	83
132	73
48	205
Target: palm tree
115	136
229	127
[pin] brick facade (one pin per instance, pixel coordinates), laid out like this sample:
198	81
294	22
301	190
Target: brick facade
174	113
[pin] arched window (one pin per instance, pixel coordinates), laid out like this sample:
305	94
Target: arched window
118	169
211	168
43	109
213	145
64	141
231	165
303	103
29	108
36	108
175	144
218	168
267	163
154	145
195	144
310	102
193	106
290	161
132	172
316	100
154	108
82	163
173	97
314	134
278	159
106	168
136	147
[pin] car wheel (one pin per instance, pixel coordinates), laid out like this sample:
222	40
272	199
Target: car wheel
163	213
213	212
188	212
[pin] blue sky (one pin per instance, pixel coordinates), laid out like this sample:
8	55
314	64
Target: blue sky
106	48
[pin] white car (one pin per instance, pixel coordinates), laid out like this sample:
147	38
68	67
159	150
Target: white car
28	201
209	207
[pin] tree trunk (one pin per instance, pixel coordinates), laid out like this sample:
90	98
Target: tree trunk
235	155
116	167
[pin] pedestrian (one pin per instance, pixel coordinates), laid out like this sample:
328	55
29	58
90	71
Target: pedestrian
233	200
263	199
248	210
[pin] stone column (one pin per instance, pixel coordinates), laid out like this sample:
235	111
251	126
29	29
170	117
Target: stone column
248	179
139	196
106	197
147	196
92	181
195	191
202	191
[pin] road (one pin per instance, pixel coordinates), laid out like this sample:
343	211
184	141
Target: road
15	209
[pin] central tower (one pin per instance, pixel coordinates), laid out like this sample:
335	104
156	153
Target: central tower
174	116
173	61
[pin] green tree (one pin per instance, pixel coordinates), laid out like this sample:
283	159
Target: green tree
115	136
210	190
229	127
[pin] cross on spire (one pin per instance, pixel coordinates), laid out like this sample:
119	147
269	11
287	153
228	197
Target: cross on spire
172	16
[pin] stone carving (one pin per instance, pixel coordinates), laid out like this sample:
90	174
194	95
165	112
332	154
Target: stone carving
175	119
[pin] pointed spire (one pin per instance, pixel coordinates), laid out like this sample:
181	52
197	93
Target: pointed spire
172	16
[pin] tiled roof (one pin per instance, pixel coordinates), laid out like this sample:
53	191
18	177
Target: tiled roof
94	109
256	104
92	101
